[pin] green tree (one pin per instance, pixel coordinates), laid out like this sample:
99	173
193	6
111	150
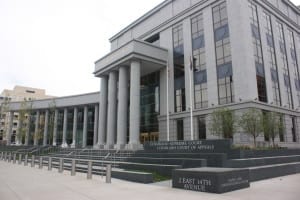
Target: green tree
24	119
272	125
52	108
223	123
252	123
4	109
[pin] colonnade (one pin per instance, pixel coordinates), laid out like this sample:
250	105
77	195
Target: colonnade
111	117
113	113
55	129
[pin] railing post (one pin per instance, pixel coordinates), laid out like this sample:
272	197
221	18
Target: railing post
89	170
5	156
14	158
20	159
41	163
108	173
9	157
32	161
61	164
49	164
26	160
73	170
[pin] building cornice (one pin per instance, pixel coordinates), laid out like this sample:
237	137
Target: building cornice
139	20
165	3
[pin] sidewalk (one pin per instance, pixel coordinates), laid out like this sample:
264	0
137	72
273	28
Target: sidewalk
18	182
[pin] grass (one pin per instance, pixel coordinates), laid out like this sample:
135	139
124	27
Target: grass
156	176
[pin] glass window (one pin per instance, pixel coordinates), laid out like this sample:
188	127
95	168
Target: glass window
272	59
178	55
180	129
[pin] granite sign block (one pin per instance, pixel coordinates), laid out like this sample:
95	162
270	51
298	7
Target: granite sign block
212	180
195	146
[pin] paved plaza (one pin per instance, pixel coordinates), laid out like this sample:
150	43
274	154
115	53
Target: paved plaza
18	182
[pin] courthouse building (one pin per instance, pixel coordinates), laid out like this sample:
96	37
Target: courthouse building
180	61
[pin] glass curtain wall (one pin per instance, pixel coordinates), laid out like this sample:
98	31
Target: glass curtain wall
223	54
149	107
292	49
70	118
285	67
79	127
259	62
179	74
272	59
199	61
90	126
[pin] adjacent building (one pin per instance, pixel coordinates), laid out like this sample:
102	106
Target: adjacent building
171	68
18	93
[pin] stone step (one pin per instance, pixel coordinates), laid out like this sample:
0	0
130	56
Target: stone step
272	171
212	159
184	162
252	162
165	170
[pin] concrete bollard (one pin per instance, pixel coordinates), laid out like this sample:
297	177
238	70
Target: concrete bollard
61	165
73	170
41	163
1	158
20	159
26	160
49	164
32	161
89	170
14	158
5	156
9	157
108	173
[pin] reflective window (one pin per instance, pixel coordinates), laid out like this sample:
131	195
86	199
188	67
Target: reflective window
223	54
180	129
178	55
285	67
149	104
257	46
294	61
272	59
199	63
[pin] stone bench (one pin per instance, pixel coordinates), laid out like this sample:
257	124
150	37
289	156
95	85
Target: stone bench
212	180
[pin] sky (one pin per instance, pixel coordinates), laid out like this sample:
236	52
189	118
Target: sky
53	44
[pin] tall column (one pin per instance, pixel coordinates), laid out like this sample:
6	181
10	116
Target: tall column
55	127
27	131
73	145
95	125
122	108
134	121
102	112
36	131
85	121
64	141
46	128
112	109
10	126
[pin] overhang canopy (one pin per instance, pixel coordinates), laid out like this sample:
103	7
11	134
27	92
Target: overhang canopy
151	56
